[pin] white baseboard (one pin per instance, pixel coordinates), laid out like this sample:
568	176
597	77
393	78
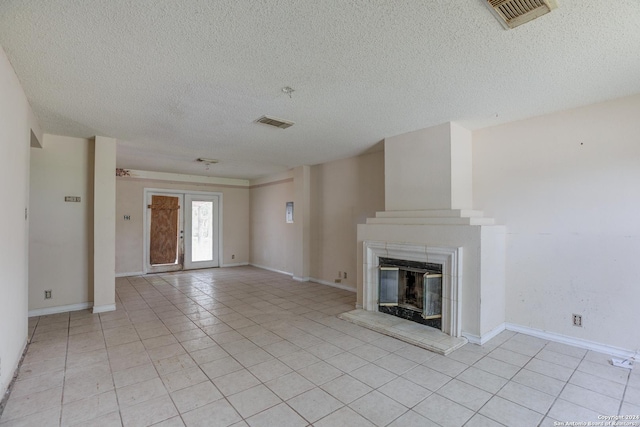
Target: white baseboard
343	286
481	340
238	264
308	279
133	273
59	309
271	269
8	381
576	342
103	308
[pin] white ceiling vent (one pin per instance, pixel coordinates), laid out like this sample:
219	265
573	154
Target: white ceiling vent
272	121
512	13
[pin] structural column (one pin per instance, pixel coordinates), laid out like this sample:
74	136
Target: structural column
104	225
302	223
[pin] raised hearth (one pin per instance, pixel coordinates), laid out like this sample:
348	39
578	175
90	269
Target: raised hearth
405	330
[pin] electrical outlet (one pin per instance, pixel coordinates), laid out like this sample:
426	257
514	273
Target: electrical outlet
338	280
345	275
577	320
47	294
233	257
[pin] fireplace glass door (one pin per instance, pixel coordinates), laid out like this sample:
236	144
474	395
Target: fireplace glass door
411	293
389	286
432	296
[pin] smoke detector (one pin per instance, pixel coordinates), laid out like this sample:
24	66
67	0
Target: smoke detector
272	121
512	13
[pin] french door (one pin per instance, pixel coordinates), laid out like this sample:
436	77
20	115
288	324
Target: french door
202	231
182	230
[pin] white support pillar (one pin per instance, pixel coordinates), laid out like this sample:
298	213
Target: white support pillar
104	225
302	223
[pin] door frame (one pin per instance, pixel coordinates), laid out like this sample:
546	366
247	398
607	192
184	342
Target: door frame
173	192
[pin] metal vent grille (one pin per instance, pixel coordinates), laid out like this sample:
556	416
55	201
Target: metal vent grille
512	13
272	121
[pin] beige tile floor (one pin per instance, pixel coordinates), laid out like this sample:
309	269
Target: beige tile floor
242	346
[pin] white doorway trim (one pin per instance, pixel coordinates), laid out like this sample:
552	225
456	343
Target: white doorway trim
174	192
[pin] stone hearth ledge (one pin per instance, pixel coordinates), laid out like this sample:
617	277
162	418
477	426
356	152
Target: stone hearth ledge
405	330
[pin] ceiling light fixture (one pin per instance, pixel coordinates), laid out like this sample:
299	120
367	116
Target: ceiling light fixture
288	90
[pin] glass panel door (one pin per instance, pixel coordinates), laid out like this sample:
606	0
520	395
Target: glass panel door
432	296
201	231
389	281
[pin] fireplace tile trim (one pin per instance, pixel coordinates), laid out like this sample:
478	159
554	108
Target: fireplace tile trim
449	257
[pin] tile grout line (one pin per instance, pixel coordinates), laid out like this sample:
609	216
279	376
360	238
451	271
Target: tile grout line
546	415
106	348
7	394
511	379
224	397
187	299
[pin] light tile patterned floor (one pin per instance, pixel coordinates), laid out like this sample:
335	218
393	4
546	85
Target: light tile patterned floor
243	346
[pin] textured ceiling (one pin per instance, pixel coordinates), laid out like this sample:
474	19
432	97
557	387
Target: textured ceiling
174	80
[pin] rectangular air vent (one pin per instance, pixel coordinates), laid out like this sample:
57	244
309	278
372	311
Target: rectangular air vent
512	13
272	121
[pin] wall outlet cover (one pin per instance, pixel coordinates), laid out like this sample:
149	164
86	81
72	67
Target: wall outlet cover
577	319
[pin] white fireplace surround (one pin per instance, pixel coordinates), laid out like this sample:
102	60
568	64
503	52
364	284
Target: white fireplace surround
449	258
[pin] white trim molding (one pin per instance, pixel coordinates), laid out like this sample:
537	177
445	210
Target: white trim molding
103	308
177	177
482	340
343	286
576	342
237	264
449	258
59	309
271	269
135	273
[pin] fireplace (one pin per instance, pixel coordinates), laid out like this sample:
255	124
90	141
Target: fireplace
429	218
411	259
411	290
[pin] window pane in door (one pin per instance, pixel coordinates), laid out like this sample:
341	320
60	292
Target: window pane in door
201	231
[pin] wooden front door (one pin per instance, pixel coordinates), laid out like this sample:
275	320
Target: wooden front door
164	216
163	245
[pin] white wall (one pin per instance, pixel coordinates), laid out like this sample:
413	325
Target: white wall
567	186
61	233
15	125
272	238
344	193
